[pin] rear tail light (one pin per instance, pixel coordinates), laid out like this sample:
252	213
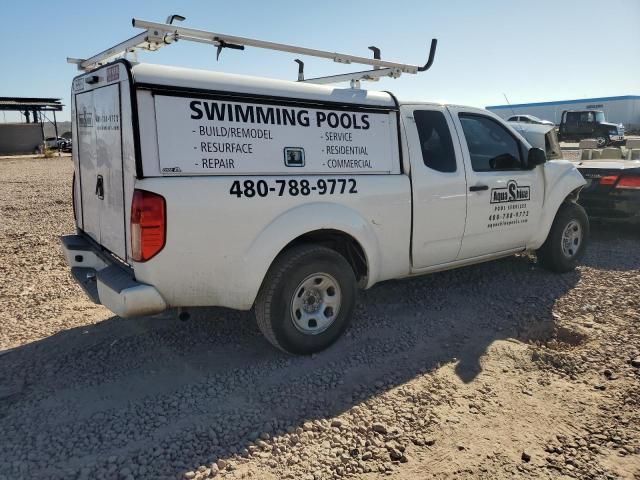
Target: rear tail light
631	182
148	225
608	179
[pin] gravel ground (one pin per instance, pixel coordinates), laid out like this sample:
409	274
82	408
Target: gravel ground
500	370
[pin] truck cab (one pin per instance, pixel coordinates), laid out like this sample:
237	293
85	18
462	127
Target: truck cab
582	124
471	179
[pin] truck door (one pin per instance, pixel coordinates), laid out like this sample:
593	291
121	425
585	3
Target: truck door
504	198
564	124
99	160
570	126
586	124
438	183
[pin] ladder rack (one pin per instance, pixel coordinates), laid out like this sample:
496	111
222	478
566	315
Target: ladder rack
158	35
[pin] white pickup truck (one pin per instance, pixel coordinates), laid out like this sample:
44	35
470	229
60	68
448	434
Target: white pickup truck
195	188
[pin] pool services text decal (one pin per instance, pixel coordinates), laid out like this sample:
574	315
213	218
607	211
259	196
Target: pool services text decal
197	136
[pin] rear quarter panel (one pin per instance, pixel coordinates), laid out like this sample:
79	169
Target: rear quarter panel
219	247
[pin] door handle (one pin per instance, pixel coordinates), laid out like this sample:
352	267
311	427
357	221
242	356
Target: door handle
100	187
478	188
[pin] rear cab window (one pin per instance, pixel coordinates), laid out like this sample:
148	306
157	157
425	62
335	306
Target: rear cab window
572	118
435	140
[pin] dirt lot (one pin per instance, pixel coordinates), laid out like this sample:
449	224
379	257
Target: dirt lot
500	370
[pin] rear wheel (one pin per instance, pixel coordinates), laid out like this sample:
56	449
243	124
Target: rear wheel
567	239
306	300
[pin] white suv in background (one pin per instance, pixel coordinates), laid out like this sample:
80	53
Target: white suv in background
528	119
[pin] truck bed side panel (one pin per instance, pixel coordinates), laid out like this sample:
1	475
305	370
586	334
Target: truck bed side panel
219	246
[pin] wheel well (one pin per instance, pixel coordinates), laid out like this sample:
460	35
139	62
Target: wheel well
341	242
573	196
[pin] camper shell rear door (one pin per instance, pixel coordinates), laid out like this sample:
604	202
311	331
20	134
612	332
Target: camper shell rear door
103	155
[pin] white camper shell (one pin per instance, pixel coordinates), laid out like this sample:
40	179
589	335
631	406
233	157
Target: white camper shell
197	188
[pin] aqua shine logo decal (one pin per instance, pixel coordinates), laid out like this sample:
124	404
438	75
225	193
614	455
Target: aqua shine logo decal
511	193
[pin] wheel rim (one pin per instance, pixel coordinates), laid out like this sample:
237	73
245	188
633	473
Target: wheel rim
601	141
571	239
315	303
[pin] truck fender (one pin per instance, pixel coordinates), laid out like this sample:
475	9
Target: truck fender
301	220
562	181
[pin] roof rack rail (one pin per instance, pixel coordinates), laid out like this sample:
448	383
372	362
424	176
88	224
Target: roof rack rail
158	35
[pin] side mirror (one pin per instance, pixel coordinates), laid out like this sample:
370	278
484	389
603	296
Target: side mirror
536	157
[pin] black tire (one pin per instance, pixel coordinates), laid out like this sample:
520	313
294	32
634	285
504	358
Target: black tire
274	304
603	140
552	255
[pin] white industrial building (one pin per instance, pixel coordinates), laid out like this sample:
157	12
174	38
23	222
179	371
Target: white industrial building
624	109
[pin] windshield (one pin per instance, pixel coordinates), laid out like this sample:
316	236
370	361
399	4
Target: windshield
600	117
535	119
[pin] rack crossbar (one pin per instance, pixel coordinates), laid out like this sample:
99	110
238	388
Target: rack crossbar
157	35
214	37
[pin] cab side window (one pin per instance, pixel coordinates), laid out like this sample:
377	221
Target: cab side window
586	117
435	140
491	146
572	119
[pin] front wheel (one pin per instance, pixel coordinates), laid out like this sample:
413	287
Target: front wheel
565	245
306	300
602	141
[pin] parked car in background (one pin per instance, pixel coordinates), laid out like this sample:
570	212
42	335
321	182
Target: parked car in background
529	119
612	192
59	143
582	124
53	142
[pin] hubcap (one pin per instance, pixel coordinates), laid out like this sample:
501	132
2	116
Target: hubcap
571	239
601	141
315	303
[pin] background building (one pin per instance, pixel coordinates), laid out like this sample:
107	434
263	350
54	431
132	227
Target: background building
624	109
27	137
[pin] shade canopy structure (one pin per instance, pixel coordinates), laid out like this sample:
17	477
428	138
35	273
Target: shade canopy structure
31	107
20	138
21	104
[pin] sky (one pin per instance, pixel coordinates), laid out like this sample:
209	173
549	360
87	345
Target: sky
528	50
